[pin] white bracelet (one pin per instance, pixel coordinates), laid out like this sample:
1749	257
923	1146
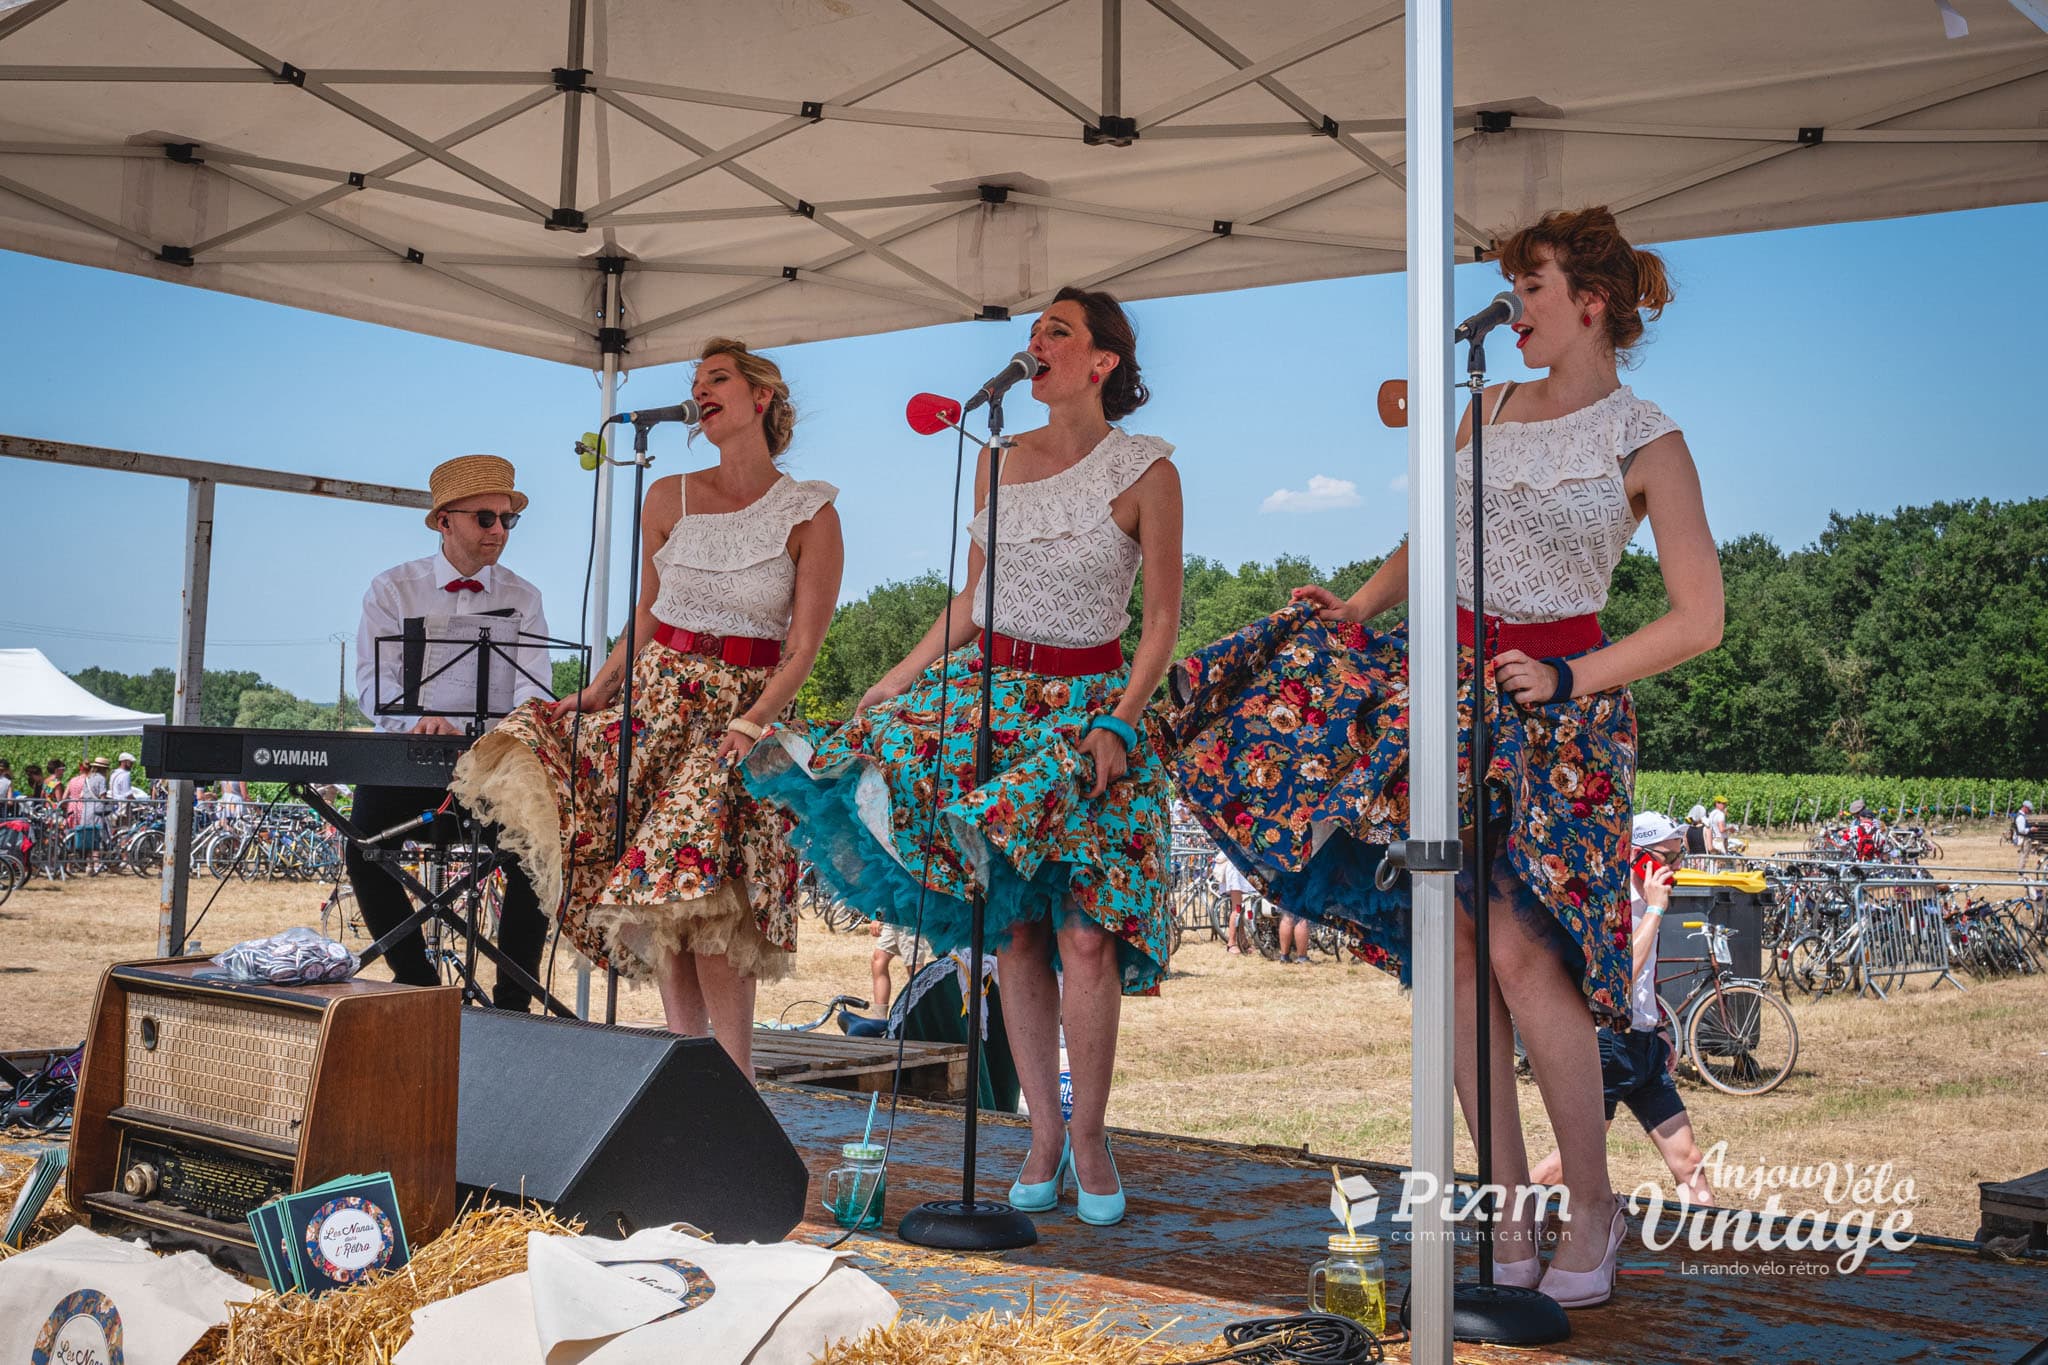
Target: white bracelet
1649	909
746	727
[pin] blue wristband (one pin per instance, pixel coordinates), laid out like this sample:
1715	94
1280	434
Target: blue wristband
1564	681
1117	727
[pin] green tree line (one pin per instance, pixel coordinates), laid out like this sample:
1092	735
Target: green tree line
1911	644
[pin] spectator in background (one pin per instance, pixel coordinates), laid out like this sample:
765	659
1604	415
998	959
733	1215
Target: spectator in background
1637	1062
31	782
1293	938
1696	830
892	940
82	813
1238	890
53	784
233	801
2022	823
121	782
6	786
1717	826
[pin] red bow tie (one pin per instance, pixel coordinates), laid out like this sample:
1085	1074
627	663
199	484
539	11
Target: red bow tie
463	585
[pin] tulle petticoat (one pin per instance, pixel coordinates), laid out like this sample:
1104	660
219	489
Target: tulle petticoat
864	796
707	867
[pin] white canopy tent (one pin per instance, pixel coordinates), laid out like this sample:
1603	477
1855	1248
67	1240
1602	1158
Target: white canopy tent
824	168
37	699
607	182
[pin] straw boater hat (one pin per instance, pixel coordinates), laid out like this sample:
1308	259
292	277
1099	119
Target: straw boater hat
465	476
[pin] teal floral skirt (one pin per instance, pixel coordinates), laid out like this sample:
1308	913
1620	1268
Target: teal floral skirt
887	811
1293	753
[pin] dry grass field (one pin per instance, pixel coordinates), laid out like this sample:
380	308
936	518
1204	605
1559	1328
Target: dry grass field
1951	1088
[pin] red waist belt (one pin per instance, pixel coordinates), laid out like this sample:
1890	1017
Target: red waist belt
1537	639
1056	661
741	651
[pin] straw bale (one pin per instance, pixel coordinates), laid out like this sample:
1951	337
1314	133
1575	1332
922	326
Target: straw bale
369	1322
1057	1336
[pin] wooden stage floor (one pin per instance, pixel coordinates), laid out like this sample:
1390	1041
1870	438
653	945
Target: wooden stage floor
1218	1232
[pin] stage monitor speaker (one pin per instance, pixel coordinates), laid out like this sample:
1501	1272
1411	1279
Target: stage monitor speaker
621	1128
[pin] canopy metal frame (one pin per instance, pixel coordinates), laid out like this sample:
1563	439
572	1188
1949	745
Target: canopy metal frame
1071	116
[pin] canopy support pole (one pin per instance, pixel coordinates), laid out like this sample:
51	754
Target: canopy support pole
601	553
177	878
1432	673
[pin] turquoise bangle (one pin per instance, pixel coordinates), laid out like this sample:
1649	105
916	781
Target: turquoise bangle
1117	727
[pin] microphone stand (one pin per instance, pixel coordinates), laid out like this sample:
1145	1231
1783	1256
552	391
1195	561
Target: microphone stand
971	1224
641	459
1487	1311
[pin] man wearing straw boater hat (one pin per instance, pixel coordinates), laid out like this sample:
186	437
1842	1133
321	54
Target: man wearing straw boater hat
475	508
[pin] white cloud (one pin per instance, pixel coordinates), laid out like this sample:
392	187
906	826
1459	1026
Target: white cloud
1399	483
1323	494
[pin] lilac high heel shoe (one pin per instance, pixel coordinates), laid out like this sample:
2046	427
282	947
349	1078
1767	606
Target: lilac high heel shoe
1589	1288
1524	1273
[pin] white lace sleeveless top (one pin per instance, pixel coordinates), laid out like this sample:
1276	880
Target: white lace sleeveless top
1557	513
1064	568
729	573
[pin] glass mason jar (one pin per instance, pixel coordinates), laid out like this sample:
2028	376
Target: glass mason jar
1352	1282
856	1191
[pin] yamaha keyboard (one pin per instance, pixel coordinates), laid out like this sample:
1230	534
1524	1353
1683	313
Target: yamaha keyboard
207	753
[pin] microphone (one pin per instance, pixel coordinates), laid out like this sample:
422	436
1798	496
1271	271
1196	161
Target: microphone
1022	366
1506	309
930	413
684	412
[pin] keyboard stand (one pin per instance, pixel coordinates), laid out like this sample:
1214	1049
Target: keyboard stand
444	906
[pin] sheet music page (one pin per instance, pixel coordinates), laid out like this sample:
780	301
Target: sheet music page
448	637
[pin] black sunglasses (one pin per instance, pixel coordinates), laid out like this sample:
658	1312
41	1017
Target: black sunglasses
486	518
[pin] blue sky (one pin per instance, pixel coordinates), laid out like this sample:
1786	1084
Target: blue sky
1841	368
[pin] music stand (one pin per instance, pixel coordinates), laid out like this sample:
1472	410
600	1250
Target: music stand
453	905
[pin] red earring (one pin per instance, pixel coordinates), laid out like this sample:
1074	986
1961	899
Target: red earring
1585	319
760	408
1094	378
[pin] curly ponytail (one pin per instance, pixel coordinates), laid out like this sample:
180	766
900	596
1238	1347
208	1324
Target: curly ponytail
1595	258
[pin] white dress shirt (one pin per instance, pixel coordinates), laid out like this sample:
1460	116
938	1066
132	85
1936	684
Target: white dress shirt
120	784
418	589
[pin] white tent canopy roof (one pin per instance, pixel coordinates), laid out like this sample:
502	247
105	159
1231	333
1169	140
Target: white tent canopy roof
813	168
36	699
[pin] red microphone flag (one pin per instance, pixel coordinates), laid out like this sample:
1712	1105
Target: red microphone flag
929	413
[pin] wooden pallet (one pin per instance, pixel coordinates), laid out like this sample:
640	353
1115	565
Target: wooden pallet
2015	1208
933	1070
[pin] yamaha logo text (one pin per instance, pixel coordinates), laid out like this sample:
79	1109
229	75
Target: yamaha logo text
296	758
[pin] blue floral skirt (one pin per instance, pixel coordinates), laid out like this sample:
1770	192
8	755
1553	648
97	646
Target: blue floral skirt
1293	754
864	796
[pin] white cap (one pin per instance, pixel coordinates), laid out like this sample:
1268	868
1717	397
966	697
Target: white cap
125	758
1696	813
1653	827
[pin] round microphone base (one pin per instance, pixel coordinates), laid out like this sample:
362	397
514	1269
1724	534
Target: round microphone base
984	1225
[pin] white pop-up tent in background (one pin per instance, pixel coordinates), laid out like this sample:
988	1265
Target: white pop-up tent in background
607	182
37	699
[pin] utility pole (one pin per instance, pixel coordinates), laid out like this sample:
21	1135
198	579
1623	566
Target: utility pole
340	679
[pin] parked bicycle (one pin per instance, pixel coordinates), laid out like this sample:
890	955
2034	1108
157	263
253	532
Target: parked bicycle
1741	1039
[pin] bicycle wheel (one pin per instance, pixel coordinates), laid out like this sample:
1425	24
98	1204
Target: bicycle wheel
12	874
1805	966
1742	1040
1265	932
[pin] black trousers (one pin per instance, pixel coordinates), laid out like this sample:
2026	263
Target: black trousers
522	929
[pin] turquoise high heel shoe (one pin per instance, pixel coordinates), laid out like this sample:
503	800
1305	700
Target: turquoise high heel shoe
1043	1194
1100	1210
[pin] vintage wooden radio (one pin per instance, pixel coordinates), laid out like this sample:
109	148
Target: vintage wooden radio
202	1099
